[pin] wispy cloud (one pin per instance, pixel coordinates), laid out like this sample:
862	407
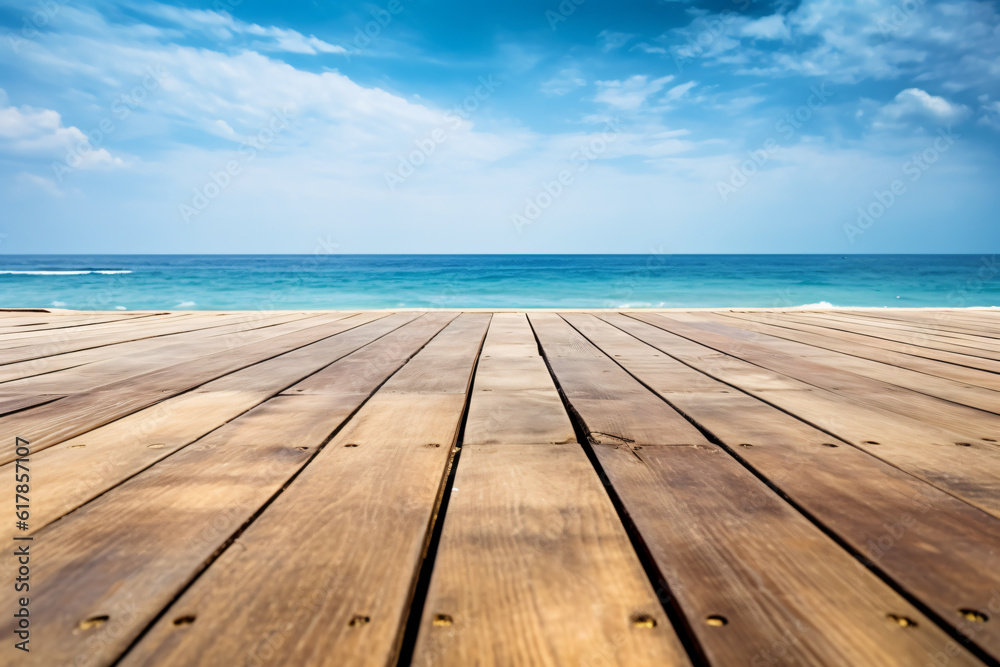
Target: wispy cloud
631	93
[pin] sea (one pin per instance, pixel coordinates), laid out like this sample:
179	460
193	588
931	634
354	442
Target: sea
327	281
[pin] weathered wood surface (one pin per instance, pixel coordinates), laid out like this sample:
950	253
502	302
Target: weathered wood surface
728	547
970	470
534	568
750	487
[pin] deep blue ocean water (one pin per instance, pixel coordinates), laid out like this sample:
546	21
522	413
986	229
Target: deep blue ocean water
141	282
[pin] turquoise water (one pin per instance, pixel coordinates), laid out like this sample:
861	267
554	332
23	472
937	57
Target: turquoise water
141	282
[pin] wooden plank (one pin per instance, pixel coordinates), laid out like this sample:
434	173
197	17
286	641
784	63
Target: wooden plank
534	568
756	581
327	571
182	511
933	362
61	342
785	349
46	426
945	321
50	322
911	335
140	349
551	577
941	325
26	340
940	549
21	323
628	412
915	344
840	374
81	468
117	362
513	399
15	402
749	572
921	449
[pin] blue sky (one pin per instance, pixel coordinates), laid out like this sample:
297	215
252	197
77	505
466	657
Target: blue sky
420	126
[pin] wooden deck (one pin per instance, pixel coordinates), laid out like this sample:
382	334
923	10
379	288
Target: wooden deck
630	488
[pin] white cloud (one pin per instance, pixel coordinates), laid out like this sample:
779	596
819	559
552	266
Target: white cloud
564	82
916	104
630	94
769	28
40	133
323	174
223	26
613	40
37	182
990	111
679	91
955	42
291	41
649	48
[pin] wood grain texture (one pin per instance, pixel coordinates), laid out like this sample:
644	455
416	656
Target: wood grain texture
325	575
625	411
550	578
255	488
932	377
732	549
887	516
81	468
983	325
757	563
931	362
99	366
535	568
111	329
45	426
924	450
61	341
913	335
514	400
179	513
939	401
151	351
126	555
15	402
10	324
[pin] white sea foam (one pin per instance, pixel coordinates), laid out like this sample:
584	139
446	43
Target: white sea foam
58	304
120	308
185	304
61	273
